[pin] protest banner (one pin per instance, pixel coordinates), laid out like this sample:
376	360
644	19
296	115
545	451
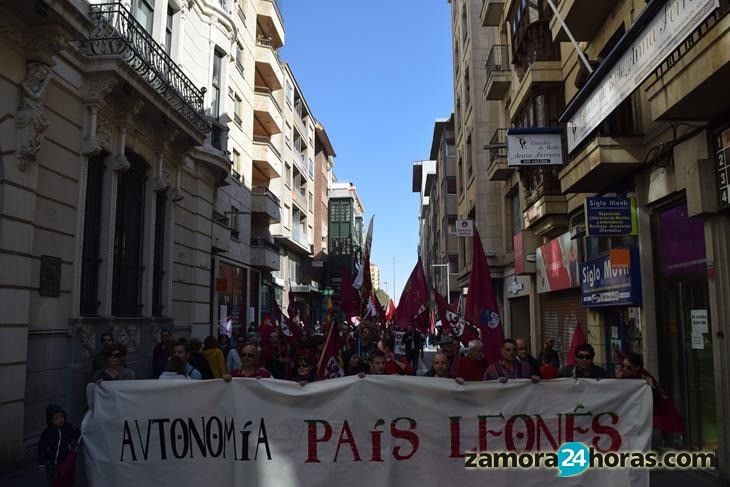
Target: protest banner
379	430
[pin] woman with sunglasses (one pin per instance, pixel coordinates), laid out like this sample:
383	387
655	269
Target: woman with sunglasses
304	373
115	369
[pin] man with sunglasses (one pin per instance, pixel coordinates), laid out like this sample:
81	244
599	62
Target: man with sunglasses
584	367
249	358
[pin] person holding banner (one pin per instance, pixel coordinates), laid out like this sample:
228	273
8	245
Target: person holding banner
439	367
249	358
472	367
584	367
508	366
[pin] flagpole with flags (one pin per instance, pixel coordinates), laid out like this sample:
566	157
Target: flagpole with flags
481	302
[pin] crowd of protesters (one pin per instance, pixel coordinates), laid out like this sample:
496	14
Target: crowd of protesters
266	351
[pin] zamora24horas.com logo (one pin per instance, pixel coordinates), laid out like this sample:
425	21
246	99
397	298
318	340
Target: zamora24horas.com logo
574	458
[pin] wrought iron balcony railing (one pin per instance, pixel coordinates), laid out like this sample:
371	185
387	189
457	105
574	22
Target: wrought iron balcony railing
498	145
117	33
498	59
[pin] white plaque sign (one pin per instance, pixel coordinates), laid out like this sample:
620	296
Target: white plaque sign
534	149
669	27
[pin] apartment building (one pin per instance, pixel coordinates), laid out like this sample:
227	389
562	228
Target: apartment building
639	111
475	120
346	236
144	153
295	233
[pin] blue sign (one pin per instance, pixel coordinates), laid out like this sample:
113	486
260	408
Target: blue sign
610	216
602	284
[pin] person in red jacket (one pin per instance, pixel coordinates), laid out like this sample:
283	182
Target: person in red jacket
472	367
393	366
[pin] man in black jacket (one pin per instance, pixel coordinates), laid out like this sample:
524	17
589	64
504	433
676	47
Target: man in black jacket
584	367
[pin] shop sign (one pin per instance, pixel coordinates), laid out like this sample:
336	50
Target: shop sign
603	284
662	35
464	228
534	147
608	216
557	264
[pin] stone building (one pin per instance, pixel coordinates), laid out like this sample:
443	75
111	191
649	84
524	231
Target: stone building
143	148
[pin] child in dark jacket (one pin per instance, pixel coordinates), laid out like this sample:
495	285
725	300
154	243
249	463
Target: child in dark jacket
57	441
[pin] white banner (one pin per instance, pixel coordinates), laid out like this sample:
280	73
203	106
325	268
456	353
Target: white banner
385	430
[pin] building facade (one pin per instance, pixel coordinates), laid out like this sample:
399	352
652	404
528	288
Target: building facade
642	129
149	157
345	234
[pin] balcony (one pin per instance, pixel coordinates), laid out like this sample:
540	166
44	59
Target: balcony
499	73
540	73
266	111
265	204
498	170
492	12
116	33
584	18
692	82
602	162
269	22
268	69
264	254
299	235
299	199
266	158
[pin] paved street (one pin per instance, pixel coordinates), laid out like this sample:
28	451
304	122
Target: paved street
30	477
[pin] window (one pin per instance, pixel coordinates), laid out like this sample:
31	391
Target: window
460	175
215	95
469	168
168	30
310	201
310	168
239	57
287	136
241	13
234	223
289	93
451	185
128	236
464	30
144	12
287	174
237	108
90	260
452	225
467	88
236	169
286	216
158	270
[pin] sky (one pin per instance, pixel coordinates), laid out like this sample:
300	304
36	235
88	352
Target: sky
377	74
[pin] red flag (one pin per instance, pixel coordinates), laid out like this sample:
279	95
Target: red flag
452	323
291	330
390	313
363	281
412	308
330	362
481	303
348	295
579	338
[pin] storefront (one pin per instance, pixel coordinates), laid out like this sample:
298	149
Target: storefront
684	325
237	298
558	287
611	285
